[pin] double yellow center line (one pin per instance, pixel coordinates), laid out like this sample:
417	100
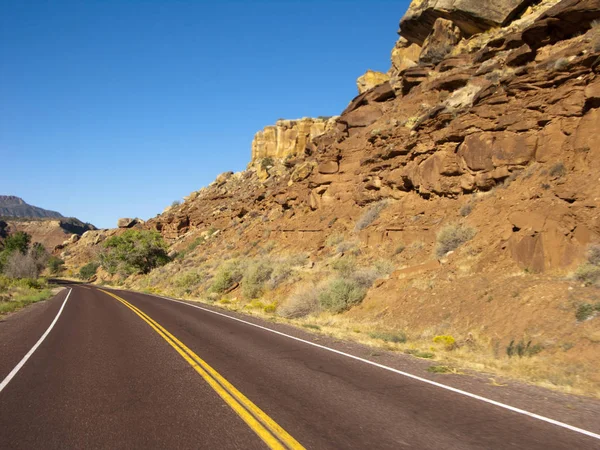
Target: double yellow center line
265	427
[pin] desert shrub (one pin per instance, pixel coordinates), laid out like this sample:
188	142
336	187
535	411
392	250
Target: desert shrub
399	249
303	301
255	278
19	265
384	267
334	239
345	265
227	275
586	310
593	254
558	170
55	265
134	251
88	271
446	340
266	162
370	215
386	336
466	209
451	237
341	294
281	272
175	203
522	349
588	274
365	277
419	354
439	369
189	280
345	246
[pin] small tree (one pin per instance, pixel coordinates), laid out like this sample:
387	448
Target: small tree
55	265
88	271
18	241
134	251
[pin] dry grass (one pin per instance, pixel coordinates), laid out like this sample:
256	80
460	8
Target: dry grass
475	352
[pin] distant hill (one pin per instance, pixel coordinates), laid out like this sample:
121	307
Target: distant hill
12	206
49	228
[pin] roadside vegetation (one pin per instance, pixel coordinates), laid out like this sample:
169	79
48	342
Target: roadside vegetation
133	252
21	264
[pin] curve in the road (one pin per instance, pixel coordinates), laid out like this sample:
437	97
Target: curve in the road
266	428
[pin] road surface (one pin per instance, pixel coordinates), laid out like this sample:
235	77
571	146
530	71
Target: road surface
114	369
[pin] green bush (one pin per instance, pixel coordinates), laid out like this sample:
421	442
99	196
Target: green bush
345	265
522	349
227	275
189	280
341	294
88	271
451	237
586	310
398	338
55	265
593	254
588	274
134	251
303	301
255	278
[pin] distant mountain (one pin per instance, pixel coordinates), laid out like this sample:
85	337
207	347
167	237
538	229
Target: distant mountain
11	206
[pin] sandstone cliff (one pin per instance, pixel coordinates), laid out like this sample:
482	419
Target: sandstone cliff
288	137
488	137
370	79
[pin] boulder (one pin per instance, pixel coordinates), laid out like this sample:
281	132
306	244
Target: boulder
440	42
370	79
471	16
329	167
126	222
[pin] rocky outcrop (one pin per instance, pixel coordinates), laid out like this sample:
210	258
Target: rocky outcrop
127	222
370	79
288	138
443	38
404	55
471	16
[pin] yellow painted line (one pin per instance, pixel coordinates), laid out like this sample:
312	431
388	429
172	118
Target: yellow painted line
265	427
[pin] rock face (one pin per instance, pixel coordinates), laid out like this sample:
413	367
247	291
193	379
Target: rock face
440	42
288	137
499	136
404	55
370	79
471	16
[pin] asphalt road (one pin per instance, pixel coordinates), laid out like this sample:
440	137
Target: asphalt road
127	370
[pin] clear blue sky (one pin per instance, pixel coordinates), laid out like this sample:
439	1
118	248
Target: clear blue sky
113	109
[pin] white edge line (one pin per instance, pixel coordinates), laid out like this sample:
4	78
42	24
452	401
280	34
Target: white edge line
391	369
18	367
